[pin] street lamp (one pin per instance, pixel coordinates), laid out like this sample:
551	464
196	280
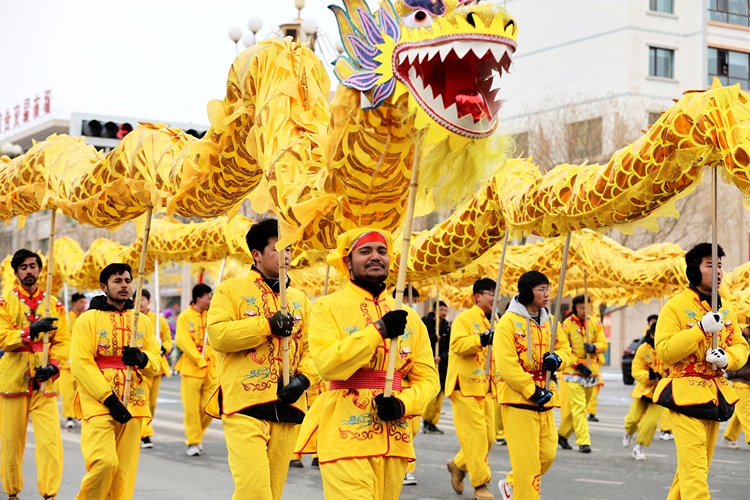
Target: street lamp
11	150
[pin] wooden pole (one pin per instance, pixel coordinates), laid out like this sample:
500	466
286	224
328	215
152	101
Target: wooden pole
496	300
586	314
404	262
714	254
283	307
218	280
411	296
137	305
328	275
437	321
48	293
558	305
157	309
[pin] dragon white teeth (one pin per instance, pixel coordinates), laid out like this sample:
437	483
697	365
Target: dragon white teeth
402	57
466	121
461	48
422	55
498	51
445	49
432	52
451	113
412	54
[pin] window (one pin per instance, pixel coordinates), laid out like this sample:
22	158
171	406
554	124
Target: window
729	11
584	139
522	145
661	6
729	67
660	62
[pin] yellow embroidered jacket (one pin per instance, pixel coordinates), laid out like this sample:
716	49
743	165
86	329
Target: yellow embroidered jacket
467	359
574	331
99	337
189	336
345	344
17	367
519	347
248	355
165	339
681	344
645	359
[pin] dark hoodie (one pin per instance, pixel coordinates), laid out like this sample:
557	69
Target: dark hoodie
99	303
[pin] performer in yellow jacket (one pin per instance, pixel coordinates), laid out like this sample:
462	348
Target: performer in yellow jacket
197	368
696	392
247	329
65	383
26	388
472	391
740	421
100	355
644	414
152	384
363	438
582	376
523	357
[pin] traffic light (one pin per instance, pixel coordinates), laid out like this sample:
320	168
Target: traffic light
195	133
106	130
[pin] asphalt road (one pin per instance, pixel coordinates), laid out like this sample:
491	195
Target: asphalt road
608	473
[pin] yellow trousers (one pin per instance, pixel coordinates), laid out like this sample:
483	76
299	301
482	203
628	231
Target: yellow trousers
311	397
414	428
643	418
573	412
376	478
740	421
665	424
152	385
195	393
431	414
110	451
592	399
45	418
532	445
258	453
67	389
499	427
694	441
474	418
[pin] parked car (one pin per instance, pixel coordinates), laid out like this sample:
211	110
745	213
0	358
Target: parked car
627	361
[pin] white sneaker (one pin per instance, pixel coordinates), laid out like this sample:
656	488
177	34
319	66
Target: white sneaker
193	451
627	439
506	490
730	444
200	447
638	452
666	436
70	423
409	479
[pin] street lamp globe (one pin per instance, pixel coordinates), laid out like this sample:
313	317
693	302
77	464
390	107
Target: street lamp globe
254	24
17	150
248	40
309	27
299	4
235	33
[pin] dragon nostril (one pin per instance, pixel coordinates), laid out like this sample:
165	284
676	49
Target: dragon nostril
470	19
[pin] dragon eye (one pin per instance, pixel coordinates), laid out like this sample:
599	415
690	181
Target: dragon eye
420	18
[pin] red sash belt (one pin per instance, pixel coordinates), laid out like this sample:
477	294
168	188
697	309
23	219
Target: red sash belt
110	362
706	371
367	379
37	346
538	375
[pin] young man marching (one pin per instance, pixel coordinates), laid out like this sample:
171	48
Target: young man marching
26	388
65	383
696	392
100	355
523	359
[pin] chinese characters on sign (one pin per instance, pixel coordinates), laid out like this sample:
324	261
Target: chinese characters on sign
28	113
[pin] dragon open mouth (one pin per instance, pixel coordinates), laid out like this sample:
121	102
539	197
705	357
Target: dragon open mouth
457	80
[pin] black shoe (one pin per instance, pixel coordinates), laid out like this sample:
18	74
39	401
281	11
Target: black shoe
564	443
430	428
146	443
592	418
501	442
584	448
315	462
297	464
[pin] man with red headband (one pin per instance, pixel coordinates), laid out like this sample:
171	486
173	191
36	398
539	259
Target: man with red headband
363	438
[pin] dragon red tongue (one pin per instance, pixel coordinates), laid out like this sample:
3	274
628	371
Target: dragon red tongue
471	102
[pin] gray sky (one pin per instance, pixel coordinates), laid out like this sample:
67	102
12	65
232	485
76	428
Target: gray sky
156	59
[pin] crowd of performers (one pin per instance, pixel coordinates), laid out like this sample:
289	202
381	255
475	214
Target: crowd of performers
503	376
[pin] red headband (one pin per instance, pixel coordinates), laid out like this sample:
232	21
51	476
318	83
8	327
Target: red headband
368	237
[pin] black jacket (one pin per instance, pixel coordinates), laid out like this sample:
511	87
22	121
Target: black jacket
444	343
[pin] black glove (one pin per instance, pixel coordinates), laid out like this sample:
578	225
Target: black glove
541	396
40	326
44	373
551	362
117	409
291	392
394	324
132	356
486	338
281	324
389	408
589	348
652	375
163	351
583	370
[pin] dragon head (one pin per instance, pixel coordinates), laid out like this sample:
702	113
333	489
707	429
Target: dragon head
449	55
